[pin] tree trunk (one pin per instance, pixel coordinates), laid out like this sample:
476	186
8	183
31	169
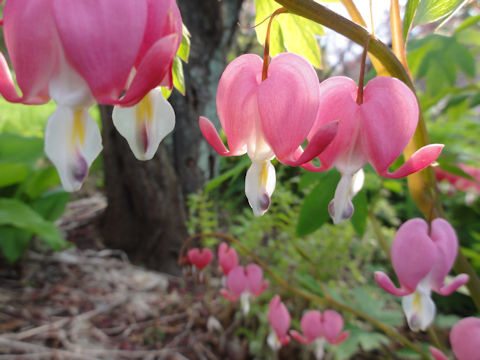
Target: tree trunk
145	216
146	210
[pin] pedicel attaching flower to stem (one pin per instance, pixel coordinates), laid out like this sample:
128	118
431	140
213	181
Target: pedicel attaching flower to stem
318	328
422	257
114	52
242	283
267	110
376	124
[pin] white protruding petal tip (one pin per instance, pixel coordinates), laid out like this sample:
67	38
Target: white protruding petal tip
419	310
72	142
341	207
273	342
146	124
259	186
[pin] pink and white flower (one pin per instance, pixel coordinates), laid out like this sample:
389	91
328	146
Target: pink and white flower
227	258
279	319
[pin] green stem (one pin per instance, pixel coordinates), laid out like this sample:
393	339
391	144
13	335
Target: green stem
423	186
328	302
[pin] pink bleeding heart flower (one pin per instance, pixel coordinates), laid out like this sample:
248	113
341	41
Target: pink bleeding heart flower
375	131
422	258
79	52
464	338
318	328
279	319
268	118
243	283
200	257
461	183
227	258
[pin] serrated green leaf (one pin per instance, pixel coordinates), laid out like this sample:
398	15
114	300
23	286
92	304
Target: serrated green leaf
12	173
432	10
289	33
178	77
314	210
18	214
13	242
359	218
410	10
184	49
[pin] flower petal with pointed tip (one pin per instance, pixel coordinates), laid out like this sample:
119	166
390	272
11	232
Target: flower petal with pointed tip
259	185
279	319
72	142
437	354
227	258
256	284
332	327
146	124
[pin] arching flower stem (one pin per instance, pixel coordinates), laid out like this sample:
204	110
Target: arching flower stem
327	302
266	52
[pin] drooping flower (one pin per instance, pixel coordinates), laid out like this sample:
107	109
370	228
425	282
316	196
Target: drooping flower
78	52
243	283
279	319
200	257
464	338
376	131
227	258
267	119
422	257
470	186
318	328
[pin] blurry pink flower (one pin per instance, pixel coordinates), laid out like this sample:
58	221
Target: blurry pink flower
422	257
227	258
375	131
268	118
279	319
318	328
200	257
76	52
459	182
242	283
464	338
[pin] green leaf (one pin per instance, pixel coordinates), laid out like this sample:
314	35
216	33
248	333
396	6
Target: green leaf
289	33
18	214
468	22
410	10
40	182
217	181
13	242
184	49
359	218
12	173
314	210
432	10
19	149
51	205
178	77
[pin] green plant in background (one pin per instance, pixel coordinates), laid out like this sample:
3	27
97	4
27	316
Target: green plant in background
30	198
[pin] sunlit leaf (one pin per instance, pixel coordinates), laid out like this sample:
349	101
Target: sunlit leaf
178	77
184	49
432	10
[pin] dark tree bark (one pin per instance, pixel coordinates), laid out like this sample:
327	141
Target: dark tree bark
146	210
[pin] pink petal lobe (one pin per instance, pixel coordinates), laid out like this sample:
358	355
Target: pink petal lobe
153	69
288	103
101	40
413	253
279	319
457	281
200	257
256	284
29	30
337	102
299	337
420	159
332	325
390	113
464	338
320	140
227	257
437	354
342	337
237	281
237	100
311	324
211	135
386	284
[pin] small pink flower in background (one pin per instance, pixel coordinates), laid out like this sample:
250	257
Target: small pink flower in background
375	131
279	319
465	340
267	119
200	257
227	258
77	52
243	283
469	186
422	258
318	328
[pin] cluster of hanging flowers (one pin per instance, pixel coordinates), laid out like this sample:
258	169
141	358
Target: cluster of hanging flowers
116	52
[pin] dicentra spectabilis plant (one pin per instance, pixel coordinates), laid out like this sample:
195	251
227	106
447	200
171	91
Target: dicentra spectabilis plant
464	339
376	124
227	258
242	283
200	258
318	328
77	52
422	256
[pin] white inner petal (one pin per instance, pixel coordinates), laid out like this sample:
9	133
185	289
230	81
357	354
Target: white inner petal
245	302
419	307
259	185
319	348
273	342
